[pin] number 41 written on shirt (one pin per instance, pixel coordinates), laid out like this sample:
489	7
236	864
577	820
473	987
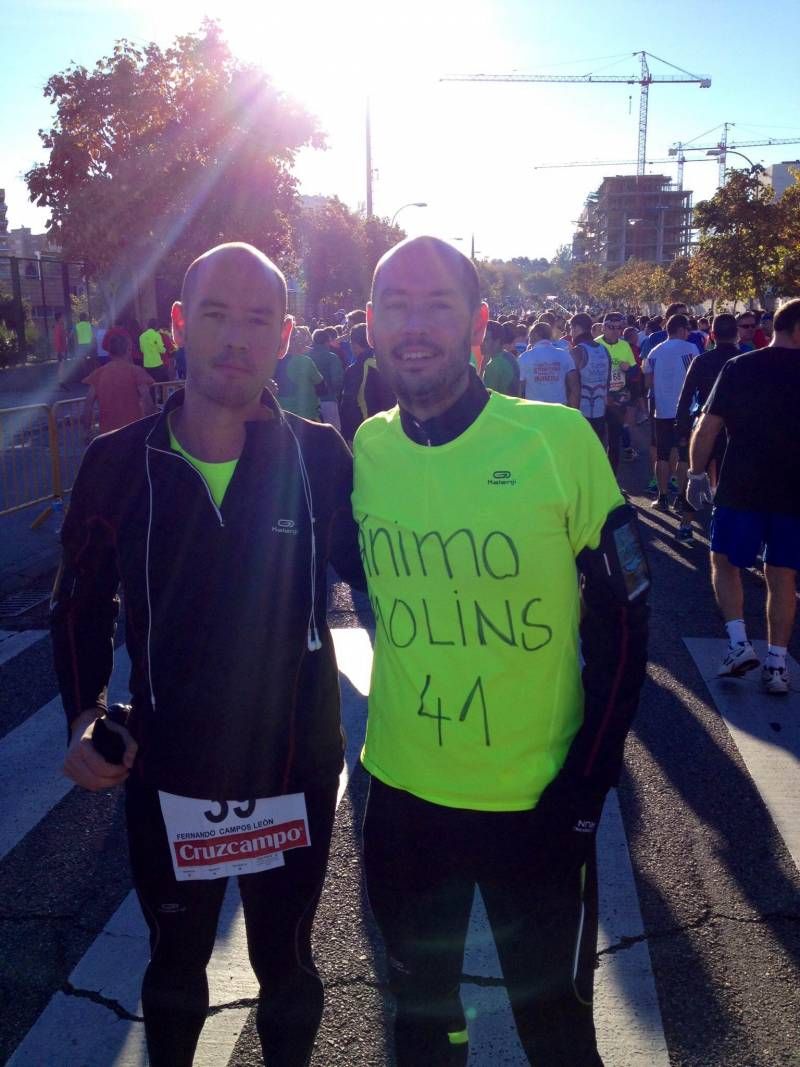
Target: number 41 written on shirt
475	695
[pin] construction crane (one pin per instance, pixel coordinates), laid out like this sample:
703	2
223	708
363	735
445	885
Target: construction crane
722	147
681	160
644	79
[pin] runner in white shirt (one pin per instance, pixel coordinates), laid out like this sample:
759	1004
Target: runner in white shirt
548	372
664	370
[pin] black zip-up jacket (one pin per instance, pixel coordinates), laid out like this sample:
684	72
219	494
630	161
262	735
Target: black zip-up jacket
228	699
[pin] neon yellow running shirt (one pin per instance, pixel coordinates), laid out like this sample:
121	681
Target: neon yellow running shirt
469	550
620	352
217	476
152	349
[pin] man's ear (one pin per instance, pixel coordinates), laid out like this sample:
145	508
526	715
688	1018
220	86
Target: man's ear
479	320
286	333
178	324
370	320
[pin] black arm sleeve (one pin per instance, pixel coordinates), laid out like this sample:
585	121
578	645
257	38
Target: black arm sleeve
343	551
377	394
614	646
84	604
690	384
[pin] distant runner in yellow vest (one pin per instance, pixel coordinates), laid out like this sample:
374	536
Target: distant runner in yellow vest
83	335
490	751
153	348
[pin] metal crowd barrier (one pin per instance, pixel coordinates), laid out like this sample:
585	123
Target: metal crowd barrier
26	466
162	391
41	447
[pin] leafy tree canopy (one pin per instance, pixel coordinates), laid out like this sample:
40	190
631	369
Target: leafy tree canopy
156	155
338	250
739	244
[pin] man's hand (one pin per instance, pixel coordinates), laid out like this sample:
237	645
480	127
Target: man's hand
84	764
698	491
566	820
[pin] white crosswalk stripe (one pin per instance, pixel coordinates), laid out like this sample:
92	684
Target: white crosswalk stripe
765	729
31	757
12	642
104	1037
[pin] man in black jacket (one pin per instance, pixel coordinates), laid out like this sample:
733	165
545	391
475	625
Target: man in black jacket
365	392
217	518
699	381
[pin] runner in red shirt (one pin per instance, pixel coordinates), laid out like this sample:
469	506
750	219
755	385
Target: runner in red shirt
121	389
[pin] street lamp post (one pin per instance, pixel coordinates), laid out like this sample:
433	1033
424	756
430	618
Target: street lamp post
413	203
721	154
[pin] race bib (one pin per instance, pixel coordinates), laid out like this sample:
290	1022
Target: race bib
222	838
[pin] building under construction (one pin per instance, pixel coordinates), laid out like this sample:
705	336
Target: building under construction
642	216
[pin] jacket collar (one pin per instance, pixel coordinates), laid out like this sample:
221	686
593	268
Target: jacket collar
451	423
158	436
725	348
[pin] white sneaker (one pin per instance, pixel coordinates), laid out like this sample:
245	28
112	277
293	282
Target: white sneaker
775	680
739	659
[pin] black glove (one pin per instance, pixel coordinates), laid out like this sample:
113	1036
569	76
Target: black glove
565	822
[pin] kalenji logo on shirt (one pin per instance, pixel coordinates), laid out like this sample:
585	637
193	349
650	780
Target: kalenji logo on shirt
501	478
199	853
285	526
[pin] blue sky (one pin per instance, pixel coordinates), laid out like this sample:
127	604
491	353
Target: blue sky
468	150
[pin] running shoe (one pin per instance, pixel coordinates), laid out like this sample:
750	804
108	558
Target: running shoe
685	535
739	659
652	486
673	485
661	503
775	680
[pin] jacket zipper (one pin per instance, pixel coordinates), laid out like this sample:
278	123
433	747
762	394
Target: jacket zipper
197	474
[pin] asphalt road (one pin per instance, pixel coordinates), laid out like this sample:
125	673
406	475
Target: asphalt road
710	775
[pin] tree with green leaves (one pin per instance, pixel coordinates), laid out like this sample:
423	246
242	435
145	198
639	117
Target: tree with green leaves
685	281
585	281
739	244
788	277
635	282
155	155
337	250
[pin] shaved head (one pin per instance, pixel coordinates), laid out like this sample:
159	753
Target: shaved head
232	321
432	255
236	255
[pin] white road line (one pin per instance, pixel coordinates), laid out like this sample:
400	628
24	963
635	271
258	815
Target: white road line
31	757
626	1011
765	729
12	642
73	1030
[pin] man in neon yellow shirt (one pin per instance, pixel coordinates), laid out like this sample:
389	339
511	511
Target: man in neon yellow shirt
490	753
83	335
622	359
152	346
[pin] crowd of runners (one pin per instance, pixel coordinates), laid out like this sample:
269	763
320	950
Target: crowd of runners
508	581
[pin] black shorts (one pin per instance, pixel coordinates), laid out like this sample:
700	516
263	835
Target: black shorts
634	383
667	438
